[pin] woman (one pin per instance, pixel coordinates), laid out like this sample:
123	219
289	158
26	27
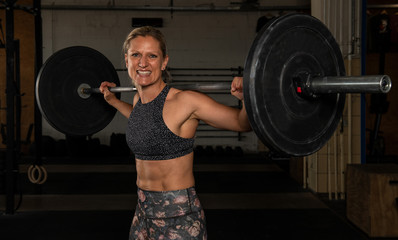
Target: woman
162	122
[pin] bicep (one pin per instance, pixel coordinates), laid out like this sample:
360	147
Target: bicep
216	114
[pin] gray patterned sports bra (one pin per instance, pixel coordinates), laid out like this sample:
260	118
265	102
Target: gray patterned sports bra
148	136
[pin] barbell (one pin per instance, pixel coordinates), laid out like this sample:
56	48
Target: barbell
294	86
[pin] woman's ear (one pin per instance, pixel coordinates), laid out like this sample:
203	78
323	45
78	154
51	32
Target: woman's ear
165	61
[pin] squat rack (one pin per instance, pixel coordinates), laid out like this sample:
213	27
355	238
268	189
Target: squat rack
13	97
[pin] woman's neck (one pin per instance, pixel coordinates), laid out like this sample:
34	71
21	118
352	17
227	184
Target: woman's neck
149	93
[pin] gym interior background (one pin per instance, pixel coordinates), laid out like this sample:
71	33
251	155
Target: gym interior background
200	35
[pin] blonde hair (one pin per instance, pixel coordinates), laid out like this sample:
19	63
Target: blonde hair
143	32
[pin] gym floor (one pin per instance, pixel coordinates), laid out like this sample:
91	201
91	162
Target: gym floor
245	197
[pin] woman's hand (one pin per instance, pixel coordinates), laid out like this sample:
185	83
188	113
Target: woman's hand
237	87
108	95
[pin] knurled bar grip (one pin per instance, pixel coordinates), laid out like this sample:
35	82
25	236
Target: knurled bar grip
195	86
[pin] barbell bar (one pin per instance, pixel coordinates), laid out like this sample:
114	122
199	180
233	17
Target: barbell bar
202	87
312	86
294	86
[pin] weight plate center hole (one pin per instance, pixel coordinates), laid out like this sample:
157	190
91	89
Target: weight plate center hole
80	91
298	68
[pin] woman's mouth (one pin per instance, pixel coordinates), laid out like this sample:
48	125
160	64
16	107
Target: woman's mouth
143	73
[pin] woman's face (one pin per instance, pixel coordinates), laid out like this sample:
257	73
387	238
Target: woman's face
145	61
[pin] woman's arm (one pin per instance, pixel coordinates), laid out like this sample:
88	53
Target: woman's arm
219	115
123	107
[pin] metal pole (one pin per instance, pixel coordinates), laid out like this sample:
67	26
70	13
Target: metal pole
316	85
38	64
194	86
18	99
10	92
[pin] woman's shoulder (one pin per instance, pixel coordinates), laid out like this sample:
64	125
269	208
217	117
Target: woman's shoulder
186	95
190	99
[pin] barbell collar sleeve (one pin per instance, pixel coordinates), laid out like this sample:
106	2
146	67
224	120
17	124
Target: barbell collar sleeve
350	84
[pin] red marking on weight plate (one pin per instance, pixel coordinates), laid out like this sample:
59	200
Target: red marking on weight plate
299	90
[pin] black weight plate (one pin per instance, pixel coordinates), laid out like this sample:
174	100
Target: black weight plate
57	95
285	47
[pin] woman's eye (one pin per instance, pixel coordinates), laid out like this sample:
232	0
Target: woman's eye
153	56
134	54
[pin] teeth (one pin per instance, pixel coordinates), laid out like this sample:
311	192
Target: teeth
144	72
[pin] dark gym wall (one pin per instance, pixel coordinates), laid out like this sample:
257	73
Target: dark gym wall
24	31
389	120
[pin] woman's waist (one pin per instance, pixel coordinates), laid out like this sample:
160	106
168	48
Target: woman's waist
164	183
165	175
165	204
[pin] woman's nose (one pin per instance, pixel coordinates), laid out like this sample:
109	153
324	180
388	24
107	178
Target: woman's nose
142	62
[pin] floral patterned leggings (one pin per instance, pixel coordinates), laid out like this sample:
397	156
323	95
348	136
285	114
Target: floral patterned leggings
168	215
